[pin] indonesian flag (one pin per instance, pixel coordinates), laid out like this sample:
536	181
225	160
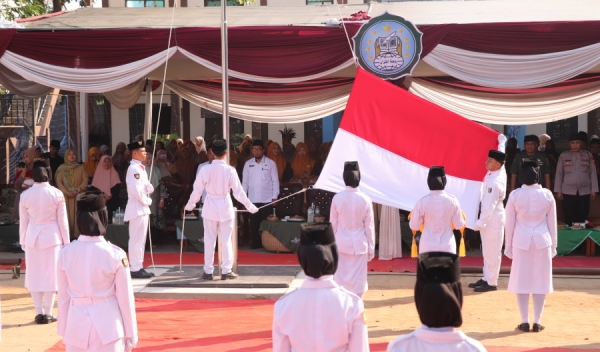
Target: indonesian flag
396	136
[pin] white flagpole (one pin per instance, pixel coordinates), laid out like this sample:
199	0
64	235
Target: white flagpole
225	102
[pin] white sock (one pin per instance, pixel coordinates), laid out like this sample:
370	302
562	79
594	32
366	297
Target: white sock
49	302
523	301
37	302
538	307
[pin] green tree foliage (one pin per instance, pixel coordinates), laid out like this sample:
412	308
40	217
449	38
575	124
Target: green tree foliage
22	9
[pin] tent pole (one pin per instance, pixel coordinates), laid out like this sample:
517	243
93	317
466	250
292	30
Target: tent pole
83	124
148	121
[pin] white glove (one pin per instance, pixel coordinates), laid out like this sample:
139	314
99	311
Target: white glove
190	206
130	343
149	188
554	253
508	253
148	201
253	209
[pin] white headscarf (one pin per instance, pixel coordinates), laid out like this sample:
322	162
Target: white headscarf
202	147
543	139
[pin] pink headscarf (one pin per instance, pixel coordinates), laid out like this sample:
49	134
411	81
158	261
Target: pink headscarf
104	179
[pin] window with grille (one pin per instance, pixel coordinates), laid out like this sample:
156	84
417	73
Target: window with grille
144	3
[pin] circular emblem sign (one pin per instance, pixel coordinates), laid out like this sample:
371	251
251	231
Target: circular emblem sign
388	46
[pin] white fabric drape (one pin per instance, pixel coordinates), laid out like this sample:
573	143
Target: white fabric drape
126	97
84	80
510	109
21	86
267	109
513	71
390	235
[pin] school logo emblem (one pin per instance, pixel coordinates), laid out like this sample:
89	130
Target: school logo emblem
388	46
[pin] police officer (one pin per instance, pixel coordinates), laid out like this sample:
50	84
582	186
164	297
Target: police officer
531	153
438	213
43	230
95	296
261	182
138	209
354	227
491	221
320	315
576	181
218	179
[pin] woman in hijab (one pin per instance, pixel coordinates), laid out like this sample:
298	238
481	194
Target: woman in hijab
284	171
200	145
91	163
543	139
23	179
233	156
107	180
71	179
303	163
157	214
172	152
167	169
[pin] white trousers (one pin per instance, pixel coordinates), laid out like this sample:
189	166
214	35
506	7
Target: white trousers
138	228
222	229
351	273
491	245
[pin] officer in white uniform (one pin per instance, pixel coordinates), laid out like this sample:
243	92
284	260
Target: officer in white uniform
531	240
218	179
320	315
138	209
261	182
491	221
438	213
43	231
354	227
95	296
439	299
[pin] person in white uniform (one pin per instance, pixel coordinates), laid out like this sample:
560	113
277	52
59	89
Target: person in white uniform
439	299
531	240
320	315
491	221
218	179
95	295
438	213
261	182
137	211
43	231
352	220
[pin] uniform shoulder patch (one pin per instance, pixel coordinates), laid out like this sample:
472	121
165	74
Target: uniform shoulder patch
137	176
125	262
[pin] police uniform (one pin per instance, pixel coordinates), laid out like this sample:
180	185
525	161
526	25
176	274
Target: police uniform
218	179
95	295
352	220
438	213
576	178
43	230
491	224
261	182
319	316
137	212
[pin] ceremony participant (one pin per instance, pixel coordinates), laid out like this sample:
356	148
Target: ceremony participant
531	153
439	299
211	157
218	213
43	231
438	213
201	152
71	179
107	180
320	315
284	171
303	163
576	181
531	240
261	183
52	155
138	209
352	221
91	163
95	296
491	221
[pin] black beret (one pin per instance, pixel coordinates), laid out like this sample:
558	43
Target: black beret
55	143
437	171
531	138
316	233
351	166
438	267
90	201
258	143
219	146
575	137
498	155
135	145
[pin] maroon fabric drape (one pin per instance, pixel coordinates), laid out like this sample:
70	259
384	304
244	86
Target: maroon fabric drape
261	89
6	36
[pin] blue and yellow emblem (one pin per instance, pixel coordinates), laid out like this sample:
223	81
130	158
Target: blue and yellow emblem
388	46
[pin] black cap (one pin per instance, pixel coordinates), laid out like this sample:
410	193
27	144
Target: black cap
317	252
575	137
351	174
531	138
437	171
583	136
498	155
595	141
135	145
55	143
92	216
259	143
351	166
530	173
320	233
439	267
219	147
90	201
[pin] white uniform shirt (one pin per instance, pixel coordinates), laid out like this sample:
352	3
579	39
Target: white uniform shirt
425	339
138	203
43	217
531	215
492	206
438	212
319	316
203	199
94	291
218	179
261	180
351	217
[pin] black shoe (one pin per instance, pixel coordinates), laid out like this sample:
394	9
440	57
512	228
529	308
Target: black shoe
140	274
39	318
538	327
229	276
478	283
206	276
44	319
51	318
485	288
151	274
523	327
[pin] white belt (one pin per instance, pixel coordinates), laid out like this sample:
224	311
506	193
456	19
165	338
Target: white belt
87	301
34	222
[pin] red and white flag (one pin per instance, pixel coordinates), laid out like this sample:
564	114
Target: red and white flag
396	136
